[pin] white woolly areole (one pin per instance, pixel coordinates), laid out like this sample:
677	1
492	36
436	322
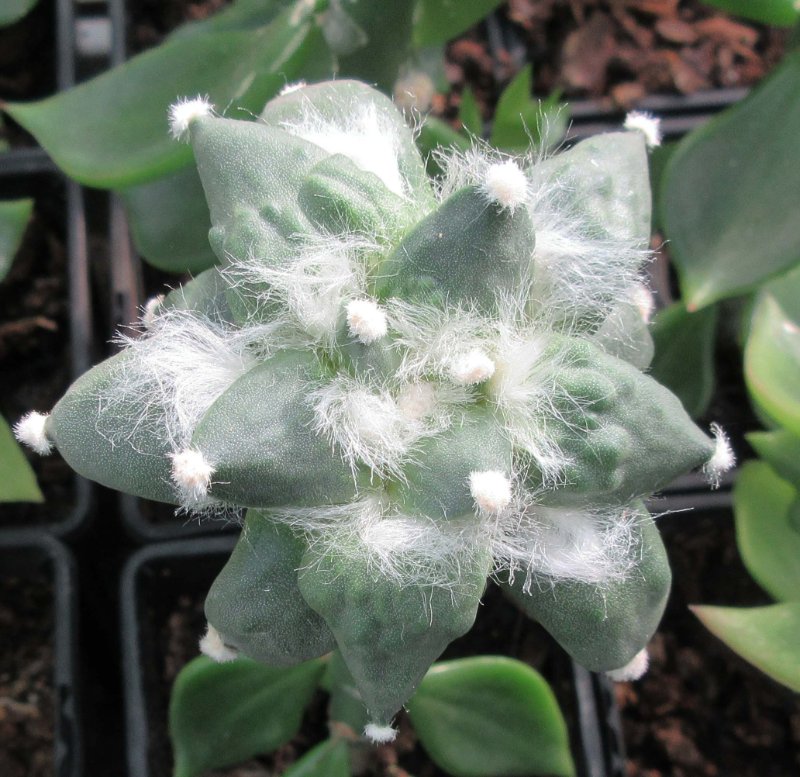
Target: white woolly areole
191	473
211	645
30	430
368	139
722	459
647	124
380	735
289	88
366	321
184	112
150	312
506	185
633	670
491	490
417	400
471	368
642	297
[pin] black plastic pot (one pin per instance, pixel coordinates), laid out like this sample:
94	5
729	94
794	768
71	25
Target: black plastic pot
29	556
169	581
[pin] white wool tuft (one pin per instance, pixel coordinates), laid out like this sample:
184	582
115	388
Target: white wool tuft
30	430
366	321
150	312
723	458
642	298
380	735
647	124
471	368
289	88
417	400
506	185
169	378
183	112
366	425
323	274
491	490
368	139
633	670
214	647
191	473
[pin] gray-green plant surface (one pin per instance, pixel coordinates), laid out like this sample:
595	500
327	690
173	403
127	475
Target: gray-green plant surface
410	385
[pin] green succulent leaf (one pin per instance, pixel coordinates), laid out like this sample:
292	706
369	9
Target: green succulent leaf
772	353
438	21
603	626
221	714
781	450
255	603
684	354
768	637
17	480
169	222
330	758
768	540
626	335
725	192
490	717
131	145
469	113
13	10
14	218
783	13
436	135
521	121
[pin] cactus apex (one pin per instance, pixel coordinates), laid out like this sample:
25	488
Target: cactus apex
380	735
721	460
213	646
183	112
506	185
633	670
30	430
471	368
647	124
366	321
191	473
491	490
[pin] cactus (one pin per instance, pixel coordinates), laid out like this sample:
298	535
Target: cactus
409	385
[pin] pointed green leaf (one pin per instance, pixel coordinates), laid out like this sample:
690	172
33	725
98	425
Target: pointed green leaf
221	714
489	717
726	193
521	121
781	450
469	114
14	217
772	354
768	540
112	131
783	13
169	222
684	354
17	481
330	758
768	637
438	21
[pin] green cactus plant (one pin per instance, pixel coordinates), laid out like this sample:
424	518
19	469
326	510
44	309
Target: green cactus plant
409	385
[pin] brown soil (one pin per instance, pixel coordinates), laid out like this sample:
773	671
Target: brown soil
26	678
34	349
700	709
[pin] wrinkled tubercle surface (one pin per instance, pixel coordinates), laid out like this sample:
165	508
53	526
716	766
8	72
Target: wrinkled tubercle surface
389	634
603	626
255	603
